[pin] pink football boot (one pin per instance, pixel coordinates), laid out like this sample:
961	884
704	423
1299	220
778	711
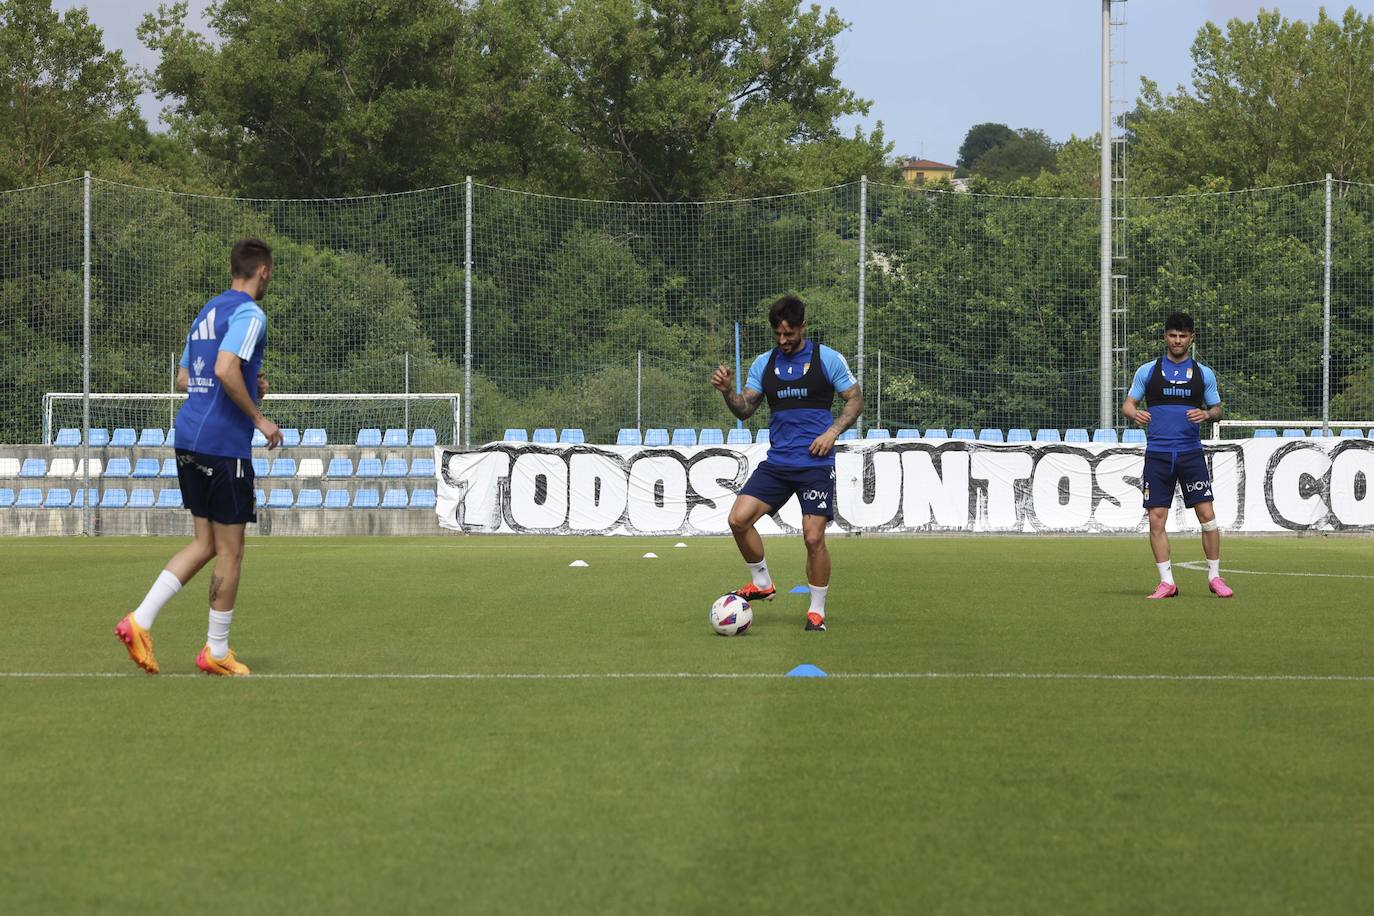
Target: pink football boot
1220	588
1165	590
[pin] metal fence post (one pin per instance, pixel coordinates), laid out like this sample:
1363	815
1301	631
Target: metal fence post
467	314
86	527
863	266
639	390
1326	318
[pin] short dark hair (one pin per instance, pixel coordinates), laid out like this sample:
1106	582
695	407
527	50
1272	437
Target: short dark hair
789	309
1179	321
247	256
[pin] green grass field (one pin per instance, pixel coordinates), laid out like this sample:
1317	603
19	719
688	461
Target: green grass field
561	777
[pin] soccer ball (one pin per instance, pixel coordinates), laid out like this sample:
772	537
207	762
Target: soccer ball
731	615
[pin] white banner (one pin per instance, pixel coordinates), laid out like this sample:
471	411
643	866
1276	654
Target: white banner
901	486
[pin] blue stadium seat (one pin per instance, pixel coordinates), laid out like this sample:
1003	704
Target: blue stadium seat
260	467
1133	436
67	437
1293	434
118	467
6	497
59	498
283	467
628	437
908	433
98	438
280	498
1351	432
515	435
339	467
171	440
711	437
123	437
394	467
544	436
142	498
314	438
990	435
423	438
1047	435
877	433
761	437
739	436
167	498
936	432
422	467
656	436
572	436
369	438
151	438
309	498
1266	434
684	437
966	434
422	499
114	498
169	468
259	496
336	499
1018	435
369	467
395	438
34	467
29	498
395	499
366	499
290	437
1105	435
1076	435
145	468
79	498
1318	433
849	435
259	440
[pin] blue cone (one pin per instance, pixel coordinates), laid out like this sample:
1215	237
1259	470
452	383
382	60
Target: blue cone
806	671
800	590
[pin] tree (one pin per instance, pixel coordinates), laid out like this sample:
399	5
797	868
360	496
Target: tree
1025	155
979	139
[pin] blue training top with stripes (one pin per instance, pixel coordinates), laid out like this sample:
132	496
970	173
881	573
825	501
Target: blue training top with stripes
1170	390
791	432
209	422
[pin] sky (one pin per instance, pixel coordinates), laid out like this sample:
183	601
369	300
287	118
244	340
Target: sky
934	68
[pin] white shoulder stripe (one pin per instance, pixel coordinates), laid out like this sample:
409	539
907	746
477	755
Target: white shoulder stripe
250	338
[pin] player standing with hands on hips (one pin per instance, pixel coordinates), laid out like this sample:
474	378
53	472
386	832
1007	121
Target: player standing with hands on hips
799	378
1182	394
221	372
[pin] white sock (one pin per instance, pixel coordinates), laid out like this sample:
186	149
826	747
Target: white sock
1166	572
218	636
1214	568
162	591
759	570
817	598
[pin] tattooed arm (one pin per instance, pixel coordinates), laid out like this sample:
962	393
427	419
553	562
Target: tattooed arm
853	407
742	404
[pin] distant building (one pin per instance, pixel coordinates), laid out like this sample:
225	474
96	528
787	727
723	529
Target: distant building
925	171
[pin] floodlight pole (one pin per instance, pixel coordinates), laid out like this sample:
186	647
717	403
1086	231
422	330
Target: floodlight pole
1326	318
467	316
1104	342
86	527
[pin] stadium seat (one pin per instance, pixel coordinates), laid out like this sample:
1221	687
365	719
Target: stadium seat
1105	435
422	499
738	436
98	438
95	468
877	434
394	467
395	438
908	433
1018	435
366	499
423	438
369	467
336	499
33	467
309	498
59	498
171	440
656	436
290	437
169	468
1266	434
966	434
369	438
114	498
990	435
628	437
314	438
1076	435
280	498
1047	435
118	467
310	467
684	437
283	467
936	432
339	467
761	437
29	498
572	436
168	498
260	467
62	467
544	436
123	437
849	435
515	435
1133	436
259	440
259	496
423	468
1293	434
395	499
1319	433
145	468
67	437
6	497
9	467
79	498
711	437
151	438
1349	432
142	498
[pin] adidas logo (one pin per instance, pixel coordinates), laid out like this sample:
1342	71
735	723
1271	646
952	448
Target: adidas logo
205	330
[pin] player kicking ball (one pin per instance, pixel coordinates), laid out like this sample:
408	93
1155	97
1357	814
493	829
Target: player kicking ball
799	378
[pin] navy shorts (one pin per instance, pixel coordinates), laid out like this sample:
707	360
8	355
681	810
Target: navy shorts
1165	470
773	486
217	488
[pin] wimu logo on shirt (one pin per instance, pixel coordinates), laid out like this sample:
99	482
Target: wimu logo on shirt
794	392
